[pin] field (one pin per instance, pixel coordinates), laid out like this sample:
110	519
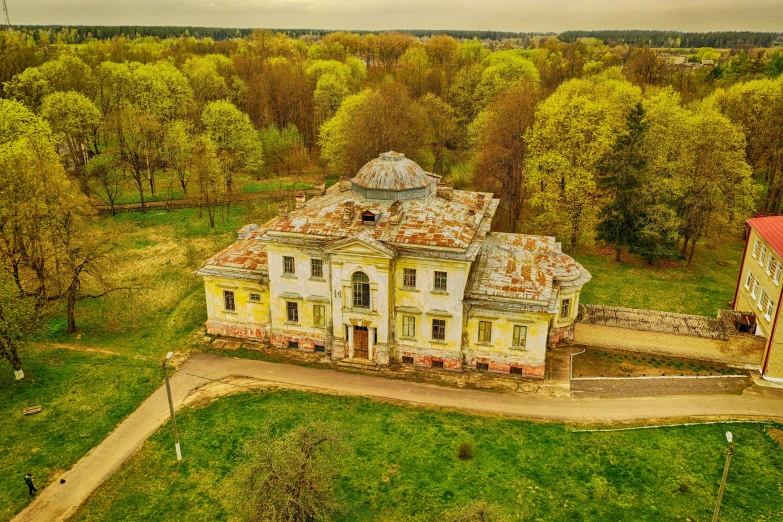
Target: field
530	471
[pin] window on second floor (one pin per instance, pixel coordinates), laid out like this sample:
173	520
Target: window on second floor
228	301
409	277
288	265
485	332
756	249
361	290
750	280
762	255
754	289
317	268
565	308
441	279
256	298
764	300
774	267
438	329
292	312
408	326
770	309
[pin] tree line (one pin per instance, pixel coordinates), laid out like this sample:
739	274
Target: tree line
585	141
680	39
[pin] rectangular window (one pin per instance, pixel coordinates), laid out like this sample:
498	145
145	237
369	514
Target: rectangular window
520	336
409	277
763	300
772	265
255	297
565	308
438	329
320	348
485	332
482	367
228	301
770	308
754	288
408	326
762	255
749	281
319	315
293	344
407	359
288	265
515	370
756	249
292	311
437	364
317	268
440	281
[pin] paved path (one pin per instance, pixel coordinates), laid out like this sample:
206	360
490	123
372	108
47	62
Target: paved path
656	387
59	501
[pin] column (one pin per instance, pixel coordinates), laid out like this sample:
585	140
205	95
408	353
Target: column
370	342
350	341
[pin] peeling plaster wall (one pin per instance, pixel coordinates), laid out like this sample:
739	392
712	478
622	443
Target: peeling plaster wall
248	314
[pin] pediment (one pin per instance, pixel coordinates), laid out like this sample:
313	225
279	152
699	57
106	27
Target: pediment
361	247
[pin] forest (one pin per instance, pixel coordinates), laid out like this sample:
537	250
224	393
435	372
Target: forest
627	146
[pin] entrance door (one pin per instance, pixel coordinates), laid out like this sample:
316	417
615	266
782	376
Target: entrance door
360	341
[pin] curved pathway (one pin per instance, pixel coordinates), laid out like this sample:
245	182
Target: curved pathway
58	501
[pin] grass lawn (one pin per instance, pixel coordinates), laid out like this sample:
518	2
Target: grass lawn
83	395
400	464
701	288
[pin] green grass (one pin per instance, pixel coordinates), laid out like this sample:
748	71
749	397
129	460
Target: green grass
401	464
701	288
83	396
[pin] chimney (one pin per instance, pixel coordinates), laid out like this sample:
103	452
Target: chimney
348	212
395	212
282	210
320	188
345	183
245	231
445	190
480	202
471	219
300	200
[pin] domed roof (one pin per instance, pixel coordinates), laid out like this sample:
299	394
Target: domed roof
391	171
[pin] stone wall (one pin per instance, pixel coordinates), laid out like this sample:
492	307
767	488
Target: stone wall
737	349
241	330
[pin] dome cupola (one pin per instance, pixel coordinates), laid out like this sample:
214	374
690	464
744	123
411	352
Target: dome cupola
391	176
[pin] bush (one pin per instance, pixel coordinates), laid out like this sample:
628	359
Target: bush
465	451
626	367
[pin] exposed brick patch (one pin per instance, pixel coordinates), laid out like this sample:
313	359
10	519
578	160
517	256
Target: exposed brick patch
424	360
306	343
559	335
504	366
246	331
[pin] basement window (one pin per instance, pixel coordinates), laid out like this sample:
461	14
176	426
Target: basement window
482	367
515	370
320	348
407	359
437	364
293	344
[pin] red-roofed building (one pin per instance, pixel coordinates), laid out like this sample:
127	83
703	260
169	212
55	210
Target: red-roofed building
758	293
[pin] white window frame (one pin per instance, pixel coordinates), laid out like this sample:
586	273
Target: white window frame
521	339
769	310
749	280
762	255
776	275
323	315
760	303
772	259
755	288
409	326
756	249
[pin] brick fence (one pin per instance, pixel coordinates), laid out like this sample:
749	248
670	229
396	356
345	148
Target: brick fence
661	333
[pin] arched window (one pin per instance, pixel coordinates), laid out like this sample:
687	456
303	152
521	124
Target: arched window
361	290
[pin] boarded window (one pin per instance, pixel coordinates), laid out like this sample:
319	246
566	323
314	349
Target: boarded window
437	364
292	312
438	329
520	337
407	359
317	268
288	265
319	315
228	301
565	308
361	290
408	326
482	367
485	332
409	277
515	370
440	281
255	297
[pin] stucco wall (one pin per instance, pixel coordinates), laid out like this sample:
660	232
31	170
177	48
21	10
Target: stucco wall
250	319
738	349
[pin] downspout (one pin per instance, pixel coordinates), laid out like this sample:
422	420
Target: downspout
771	337
742	267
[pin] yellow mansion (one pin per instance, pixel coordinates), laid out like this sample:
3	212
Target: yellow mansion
393	265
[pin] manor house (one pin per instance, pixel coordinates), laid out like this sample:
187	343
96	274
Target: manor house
394	265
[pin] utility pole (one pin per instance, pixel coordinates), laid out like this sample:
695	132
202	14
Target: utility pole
7	19
171	405
725	476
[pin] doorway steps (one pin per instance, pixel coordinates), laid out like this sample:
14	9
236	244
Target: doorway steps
358	363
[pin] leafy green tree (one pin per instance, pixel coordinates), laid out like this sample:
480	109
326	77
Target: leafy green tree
205	80
107	170
19	320
504	69
207	173
178	146
442	126
29	87
621	172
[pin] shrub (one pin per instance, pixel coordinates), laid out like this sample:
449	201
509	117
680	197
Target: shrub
465	451
626	367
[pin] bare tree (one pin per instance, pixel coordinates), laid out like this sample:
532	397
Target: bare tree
288	477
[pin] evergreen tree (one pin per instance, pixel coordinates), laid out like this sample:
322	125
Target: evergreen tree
621	171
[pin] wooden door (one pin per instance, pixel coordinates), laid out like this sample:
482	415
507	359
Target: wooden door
360	341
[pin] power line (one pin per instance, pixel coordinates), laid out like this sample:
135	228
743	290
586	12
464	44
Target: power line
7	19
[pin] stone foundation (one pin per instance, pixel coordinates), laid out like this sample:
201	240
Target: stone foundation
240	330
450	360
504	365
306	343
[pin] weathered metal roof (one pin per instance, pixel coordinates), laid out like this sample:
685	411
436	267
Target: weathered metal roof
653	321
392	171
519	266
245	254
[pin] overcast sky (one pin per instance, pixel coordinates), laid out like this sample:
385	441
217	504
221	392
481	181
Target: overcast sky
506	15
